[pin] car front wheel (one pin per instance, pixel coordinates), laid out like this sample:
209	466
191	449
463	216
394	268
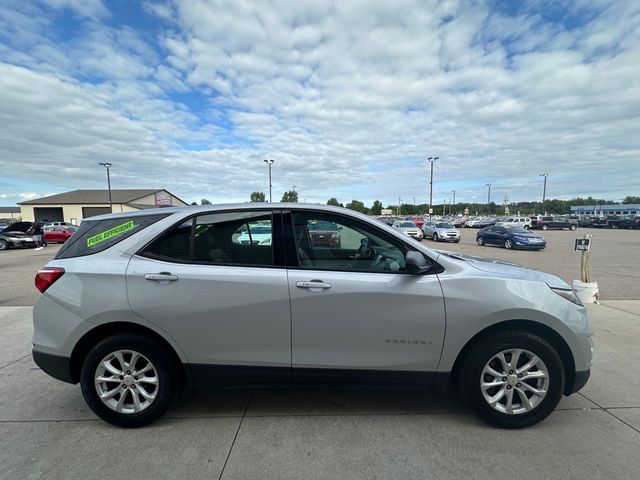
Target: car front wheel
480	241
129	380
435	237
545	227
3	245
512	379
508	244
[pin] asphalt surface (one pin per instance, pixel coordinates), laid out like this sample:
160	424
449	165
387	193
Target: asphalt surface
47	432
614	262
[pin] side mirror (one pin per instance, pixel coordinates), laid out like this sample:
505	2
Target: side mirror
416	264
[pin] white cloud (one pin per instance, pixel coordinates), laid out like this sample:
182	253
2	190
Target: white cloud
348	97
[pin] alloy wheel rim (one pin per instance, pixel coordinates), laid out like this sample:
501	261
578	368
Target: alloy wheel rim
514	381
507	244
126	381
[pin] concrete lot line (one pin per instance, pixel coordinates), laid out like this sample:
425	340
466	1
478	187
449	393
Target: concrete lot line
236	435
614	305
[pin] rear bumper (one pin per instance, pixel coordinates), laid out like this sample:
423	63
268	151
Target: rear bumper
54	365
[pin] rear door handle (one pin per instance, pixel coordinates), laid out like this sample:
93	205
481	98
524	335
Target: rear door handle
162	277
313	285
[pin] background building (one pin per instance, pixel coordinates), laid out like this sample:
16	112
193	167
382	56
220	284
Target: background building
7	213
73	206
601	210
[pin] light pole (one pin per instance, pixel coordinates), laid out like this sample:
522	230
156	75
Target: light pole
399	206
454	198
431	160
544	190
489	198
269	163
108	166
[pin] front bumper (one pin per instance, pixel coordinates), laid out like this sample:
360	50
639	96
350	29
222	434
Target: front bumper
580	380
54	365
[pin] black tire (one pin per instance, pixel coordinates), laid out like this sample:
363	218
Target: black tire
572	228
480	241
545	227
166	368
4	245
456	241
435	237
508	244
474	361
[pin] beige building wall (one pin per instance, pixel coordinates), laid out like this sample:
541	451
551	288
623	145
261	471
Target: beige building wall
9	214
69	212
151	200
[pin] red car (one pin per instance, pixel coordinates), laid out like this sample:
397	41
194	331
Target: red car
58	234
324	234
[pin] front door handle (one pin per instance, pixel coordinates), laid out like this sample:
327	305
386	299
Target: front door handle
314	285
162	277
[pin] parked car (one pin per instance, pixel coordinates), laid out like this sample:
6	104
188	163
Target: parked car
59	234
137	304
472	222
15	235
524	222
599	222
58	224
556	223
408	228
613	221
441	231
324	233
254	234
630	222
535	221
585	221
510	238
459	222
486	222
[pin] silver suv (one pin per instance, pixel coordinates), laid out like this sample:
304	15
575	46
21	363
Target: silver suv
137	306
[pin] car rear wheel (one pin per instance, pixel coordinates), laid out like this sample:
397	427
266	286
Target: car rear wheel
129	380
545	227
512	379
508	244
3	245
435	237
572	227
480	241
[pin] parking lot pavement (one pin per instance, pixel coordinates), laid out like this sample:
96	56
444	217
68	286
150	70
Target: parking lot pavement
614	255
46	430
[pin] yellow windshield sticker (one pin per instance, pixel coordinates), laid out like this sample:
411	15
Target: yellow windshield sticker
112	232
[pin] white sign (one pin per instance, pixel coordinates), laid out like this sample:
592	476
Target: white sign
163	199
583	244
386	211
430	211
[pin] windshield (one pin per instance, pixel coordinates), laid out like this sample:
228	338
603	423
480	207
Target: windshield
444	225
260	230
407	225
518	230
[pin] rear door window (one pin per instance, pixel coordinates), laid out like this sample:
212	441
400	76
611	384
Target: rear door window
226	238
95	236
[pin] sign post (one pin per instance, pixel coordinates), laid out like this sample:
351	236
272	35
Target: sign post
585	288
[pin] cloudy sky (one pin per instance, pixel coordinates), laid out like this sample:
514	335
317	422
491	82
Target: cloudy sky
348	97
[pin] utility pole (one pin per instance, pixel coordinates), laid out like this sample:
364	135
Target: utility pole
269	162
431	160
489	198
108	166
399	206
544	190
454	198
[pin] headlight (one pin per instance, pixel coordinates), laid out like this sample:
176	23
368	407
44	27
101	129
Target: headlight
568	295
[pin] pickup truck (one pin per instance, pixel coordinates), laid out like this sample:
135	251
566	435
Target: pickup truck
613	221
556	223
630	222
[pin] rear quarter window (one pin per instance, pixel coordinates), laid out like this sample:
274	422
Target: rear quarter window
98	235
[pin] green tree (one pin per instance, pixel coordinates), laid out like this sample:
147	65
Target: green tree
630	199
257	196
334	201
204	201
290	196
376	208
357	205
194	203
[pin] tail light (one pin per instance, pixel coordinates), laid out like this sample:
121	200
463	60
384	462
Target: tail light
47	277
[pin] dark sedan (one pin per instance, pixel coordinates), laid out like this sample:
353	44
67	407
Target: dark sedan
15	236
510	238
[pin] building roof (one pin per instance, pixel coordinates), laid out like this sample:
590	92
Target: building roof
88	197
10	209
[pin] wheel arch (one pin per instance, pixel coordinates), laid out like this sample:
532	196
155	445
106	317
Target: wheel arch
100	332
544	331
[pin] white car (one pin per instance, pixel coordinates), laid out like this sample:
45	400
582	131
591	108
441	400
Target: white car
255	235
472	222
408	228
524	222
